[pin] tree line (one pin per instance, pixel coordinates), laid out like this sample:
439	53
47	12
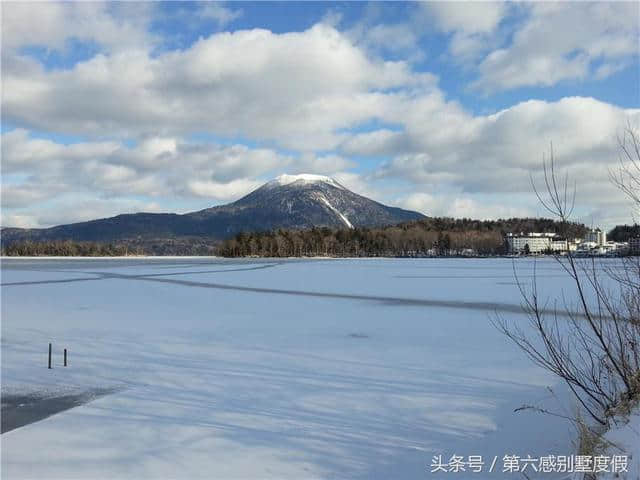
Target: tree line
191	246
622	233
67	248
427	237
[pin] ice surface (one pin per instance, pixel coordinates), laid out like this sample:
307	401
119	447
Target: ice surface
266	368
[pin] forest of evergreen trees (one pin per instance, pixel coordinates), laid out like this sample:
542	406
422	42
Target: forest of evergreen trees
622	233
67	248
432	236
130	247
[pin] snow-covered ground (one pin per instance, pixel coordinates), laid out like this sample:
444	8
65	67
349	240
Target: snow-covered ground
273	369
623	439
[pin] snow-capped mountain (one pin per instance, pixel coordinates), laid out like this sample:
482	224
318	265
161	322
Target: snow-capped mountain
305	201
288	202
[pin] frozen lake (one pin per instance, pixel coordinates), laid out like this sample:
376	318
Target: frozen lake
263	368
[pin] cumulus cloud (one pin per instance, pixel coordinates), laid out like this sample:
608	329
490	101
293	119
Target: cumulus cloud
537	43
362	185
468	17
583	129
321	164
37	170
398	39
110	25
229	83
498	154
465	206
218	190
472	25
21	195
562	41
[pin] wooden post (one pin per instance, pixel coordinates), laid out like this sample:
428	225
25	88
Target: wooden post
49	355
65	357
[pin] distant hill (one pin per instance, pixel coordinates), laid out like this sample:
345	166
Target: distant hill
287	202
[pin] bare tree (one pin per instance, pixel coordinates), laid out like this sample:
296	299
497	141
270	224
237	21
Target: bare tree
593	343
627	176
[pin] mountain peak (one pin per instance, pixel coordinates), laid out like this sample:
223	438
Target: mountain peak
304	178
286	202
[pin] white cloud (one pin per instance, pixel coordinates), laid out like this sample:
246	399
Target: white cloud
473	25
20	195
20	153
583	129
230	83
389	38
113	26
217	190
156	167
218	13
18	221
466	206
562	41
322	164
377	142
359	184
513	45
497	154
467	17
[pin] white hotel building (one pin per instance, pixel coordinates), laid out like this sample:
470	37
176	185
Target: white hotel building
536	242
596	236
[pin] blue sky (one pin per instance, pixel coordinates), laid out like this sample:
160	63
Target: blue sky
446	108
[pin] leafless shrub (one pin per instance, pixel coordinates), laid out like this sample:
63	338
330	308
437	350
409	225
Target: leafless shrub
592	344
627	176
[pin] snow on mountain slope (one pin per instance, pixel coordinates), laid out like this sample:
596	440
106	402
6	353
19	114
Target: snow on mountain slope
305	178
334	209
